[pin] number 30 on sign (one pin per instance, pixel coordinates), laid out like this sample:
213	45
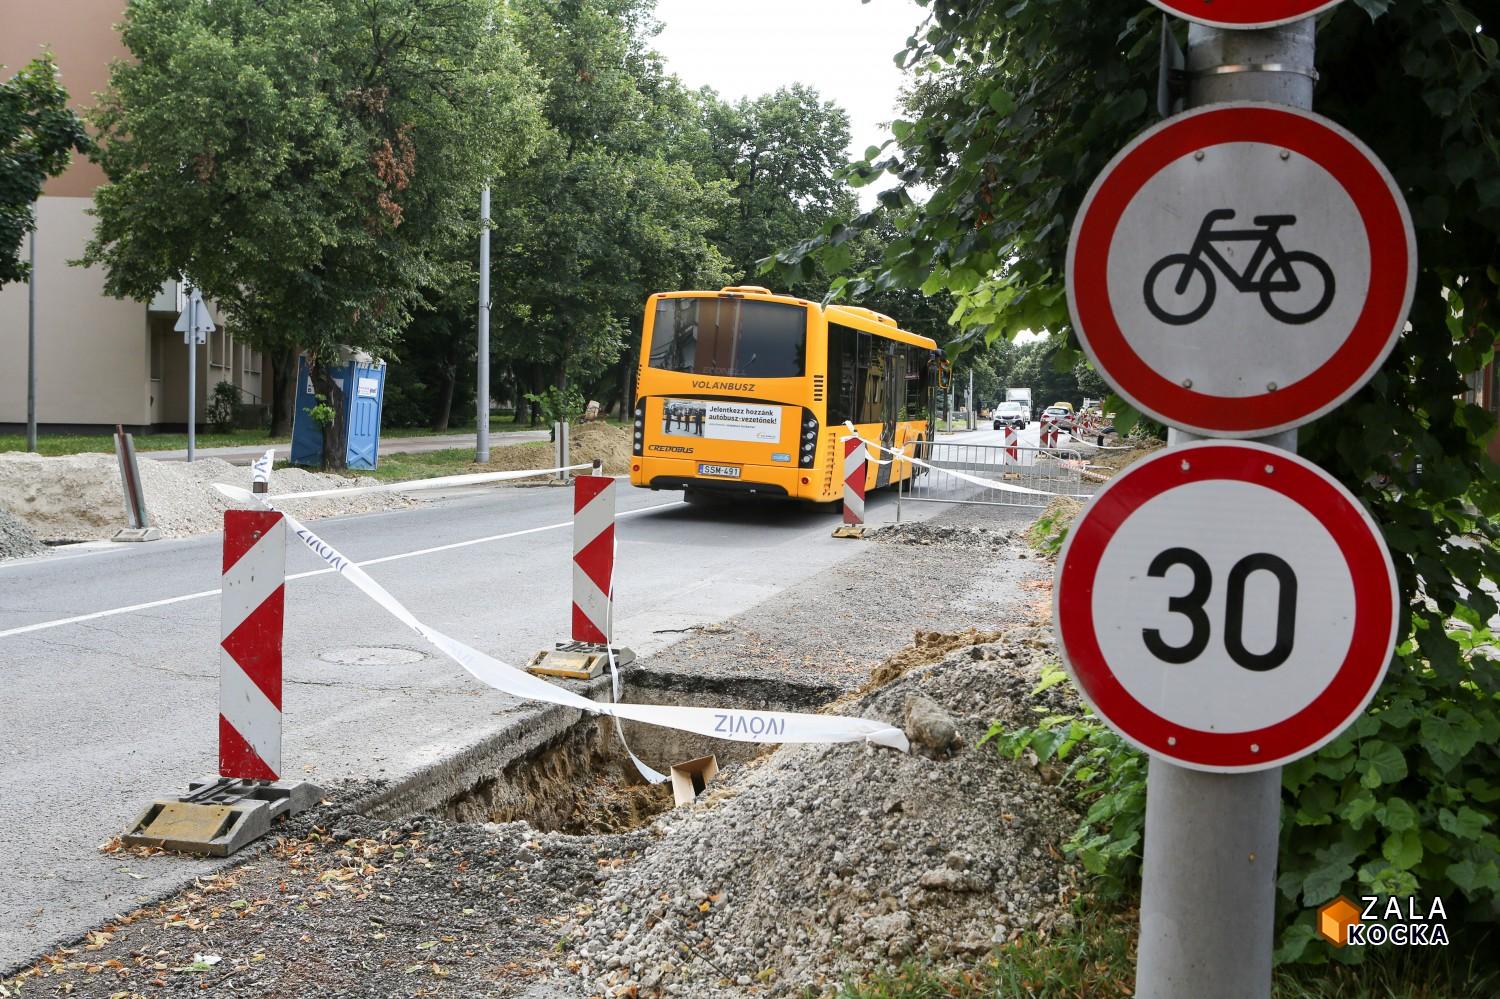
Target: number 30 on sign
1226	606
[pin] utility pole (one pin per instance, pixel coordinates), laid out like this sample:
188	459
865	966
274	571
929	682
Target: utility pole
972	421
31	342
1208	889
482	404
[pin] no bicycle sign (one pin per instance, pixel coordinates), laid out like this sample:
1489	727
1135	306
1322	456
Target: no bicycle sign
1226	605
1241	269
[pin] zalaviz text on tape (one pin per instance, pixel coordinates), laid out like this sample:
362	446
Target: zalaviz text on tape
975	479
718	723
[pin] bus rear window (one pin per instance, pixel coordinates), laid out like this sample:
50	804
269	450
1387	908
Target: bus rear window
729	336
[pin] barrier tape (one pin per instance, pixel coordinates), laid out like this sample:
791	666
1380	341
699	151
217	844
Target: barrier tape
975	479
717	723
440	482
615	689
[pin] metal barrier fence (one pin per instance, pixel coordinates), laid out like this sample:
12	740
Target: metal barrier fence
1048	470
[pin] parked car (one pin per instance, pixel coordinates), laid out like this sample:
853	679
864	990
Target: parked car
1010	414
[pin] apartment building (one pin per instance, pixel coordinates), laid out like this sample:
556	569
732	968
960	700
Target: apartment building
99	360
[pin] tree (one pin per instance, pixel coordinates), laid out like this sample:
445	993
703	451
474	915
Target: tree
38	134
601	216
781	154
1018	108
310	164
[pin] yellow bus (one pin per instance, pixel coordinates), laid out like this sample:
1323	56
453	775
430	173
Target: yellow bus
742	392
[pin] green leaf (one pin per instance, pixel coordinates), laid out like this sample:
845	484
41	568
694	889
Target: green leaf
1380	763
1359	808
1466	823
1397	815
1403	849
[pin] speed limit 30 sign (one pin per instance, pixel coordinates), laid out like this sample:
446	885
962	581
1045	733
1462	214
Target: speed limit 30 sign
1226	605
1241	269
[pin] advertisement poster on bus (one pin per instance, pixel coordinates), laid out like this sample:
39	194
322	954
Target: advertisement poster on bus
722	421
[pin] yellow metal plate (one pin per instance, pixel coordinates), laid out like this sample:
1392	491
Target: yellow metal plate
181	820
571	665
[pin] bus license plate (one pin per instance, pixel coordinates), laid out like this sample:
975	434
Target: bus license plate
723	471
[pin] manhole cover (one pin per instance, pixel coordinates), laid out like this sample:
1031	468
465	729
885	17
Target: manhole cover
371	655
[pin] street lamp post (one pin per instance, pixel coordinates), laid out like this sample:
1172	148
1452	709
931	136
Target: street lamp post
482	404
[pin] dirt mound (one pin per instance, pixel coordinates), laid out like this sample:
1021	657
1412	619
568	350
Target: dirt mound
923	533
79	498
1110	462
16	539
926	647
586	442
601	442
822	861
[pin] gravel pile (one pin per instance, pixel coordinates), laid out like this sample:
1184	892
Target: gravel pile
16	539
78	497
828	860
928	533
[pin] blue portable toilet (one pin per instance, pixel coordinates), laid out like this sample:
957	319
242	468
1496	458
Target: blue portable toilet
363	385
364	406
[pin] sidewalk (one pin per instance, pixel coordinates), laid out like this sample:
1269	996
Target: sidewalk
244	455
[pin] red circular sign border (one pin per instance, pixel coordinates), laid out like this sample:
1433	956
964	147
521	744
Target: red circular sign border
1301	9
1392	269
1354	532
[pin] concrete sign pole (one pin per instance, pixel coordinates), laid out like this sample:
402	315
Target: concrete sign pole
1208	883
482	404
31	345
192	402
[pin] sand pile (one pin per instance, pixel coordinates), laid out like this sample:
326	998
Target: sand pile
78	497
587	442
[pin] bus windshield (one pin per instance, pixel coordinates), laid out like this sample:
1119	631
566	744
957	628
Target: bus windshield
729	336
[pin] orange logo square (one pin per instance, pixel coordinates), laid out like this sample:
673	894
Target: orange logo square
1335	918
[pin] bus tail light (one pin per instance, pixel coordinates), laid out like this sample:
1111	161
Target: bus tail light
807	442
638	442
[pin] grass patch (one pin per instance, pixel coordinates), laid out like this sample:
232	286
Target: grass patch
1095	959
399	467
60	444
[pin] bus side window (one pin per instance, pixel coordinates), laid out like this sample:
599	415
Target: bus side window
917	379
843	381
873	383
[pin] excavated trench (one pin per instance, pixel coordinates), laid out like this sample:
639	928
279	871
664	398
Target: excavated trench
581	780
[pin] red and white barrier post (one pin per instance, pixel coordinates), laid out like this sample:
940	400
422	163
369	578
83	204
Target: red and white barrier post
855	466
587	655
218	816
593	557
251	611
1010	455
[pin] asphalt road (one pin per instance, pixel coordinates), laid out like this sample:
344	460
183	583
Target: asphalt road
109	659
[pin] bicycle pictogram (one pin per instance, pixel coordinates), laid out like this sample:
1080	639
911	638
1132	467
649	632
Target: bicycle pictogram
1286	273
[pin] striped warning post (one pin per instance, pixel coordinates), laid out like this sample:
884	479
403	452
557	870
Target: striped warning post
1010	454
854	481
593	556
251	608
